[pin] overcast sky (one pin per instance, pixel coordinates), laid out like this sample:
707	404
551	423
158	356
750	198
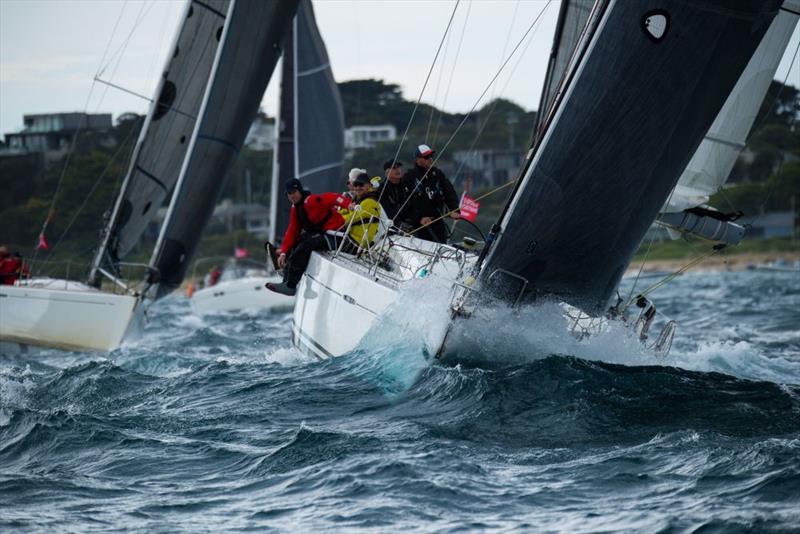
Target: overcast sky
50	50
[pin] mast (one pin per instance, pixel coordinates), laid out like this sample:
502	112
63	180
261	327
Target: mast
311	119
284	165
162	143
637	101
249	49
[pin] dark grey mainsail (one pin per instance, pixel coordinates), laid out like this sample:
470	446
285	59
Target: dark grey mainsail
248	51
572	20
165	135
310	119
641	98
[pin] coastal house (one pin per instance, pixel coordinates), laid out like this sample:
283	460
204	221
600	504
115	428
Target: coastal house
52	133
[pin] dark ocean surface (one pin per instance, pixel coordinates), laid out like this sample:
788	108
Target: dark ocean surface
216	423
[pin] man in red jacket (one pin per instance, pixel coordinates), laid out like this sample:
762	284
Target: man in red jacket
310	217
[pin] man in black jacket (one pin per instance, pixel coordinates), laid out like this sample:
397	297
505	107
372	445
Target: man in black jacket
432	195
394	193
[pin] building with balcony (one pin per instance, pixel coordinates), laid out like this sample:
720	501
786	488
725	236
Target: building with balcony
53	132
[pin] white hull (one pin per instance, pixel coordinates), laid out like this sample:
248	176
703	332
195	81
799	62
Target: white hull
240	294
335	307
65	315
339	299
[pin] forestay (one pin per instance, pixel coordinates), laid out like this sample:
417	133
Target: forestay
165	135
310	120
640	100
249	49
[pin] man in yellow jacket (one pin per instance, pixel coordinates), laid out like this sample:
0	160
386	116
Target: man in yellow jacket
364	215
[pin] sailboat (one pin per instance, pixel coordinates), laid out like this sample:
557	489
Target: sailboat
222	59
627	107
310	146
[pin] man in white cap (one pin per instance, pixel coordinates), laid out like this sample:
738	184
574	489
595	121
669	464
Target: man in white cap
432	195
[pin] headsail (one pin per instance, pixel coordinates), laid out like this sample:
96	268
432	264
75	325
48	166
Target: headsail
310	120
572	20
249	49
642	96
165	136
711	165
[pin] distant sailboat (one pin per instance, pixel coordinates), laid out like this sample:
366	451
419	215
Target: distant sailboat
222	59
640	88
310	146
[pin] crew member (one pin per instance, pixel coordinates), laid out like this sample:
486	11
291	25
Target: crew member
355	171
394	194
365	213
432	195
11	267
310	217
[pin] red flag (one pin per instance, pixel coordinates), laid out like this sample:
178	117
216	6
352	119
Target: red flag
42	242
240	253
469	208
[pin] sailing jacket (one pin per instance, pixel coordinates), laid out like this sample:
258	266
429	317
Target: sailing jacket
314	215
365	220
393	198
431	197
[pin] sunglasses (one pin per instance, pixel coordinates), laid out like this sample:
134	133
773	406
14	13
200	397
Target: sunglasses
426	157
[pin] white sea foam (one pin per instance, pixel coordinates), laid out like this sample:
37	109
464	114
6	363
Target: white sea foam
506	335
407	335
14	390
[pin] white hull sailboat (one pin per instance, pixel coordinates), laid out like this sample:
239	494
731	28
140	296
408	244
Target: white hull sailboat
55	313
222	59
621	123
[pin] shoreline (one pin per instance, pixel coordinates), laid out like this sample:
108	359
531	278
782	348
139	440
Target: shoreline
716	263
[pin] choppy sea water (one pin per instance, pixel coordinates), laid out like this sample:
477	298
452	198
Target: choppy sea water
216	423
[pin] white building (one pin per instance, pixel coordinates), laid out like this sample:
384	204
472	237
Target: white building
368	136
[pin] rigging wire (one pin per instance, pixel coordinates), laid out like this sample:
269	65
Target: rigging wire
73	142
475	105
495	102
438	85
122	145
121	51
452	72
422	91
